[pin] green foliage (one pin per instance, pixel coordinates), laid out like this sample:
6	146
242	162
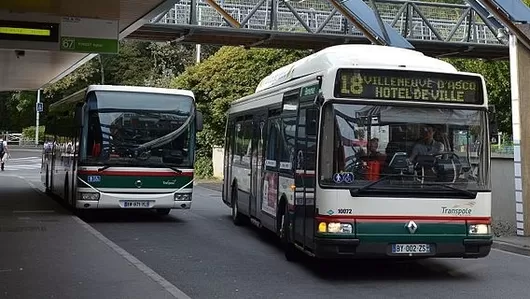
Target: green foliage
20	110
203	165
497	76
29	133
75	81
229	74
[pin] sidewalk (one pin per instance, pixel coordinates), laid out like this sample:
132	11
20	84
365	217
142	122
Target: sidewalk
515	244
48	253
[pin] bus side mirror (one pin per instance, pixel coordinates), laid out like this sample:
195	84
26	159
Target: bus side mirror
198	121
492	124
79	115
319	100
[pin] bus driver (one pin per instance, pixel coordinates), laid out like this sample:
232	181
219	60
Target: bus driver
427	146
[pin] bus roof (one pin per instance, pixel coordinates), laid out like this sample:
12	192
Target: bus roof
80	95
355	56
140	89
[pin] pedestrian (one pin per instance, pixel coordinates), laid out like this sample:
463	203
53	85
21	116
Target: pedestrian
4	152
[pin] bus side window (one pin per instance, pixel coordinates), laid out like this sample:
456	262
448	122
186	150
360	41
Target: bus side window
242	143
271	157
287	157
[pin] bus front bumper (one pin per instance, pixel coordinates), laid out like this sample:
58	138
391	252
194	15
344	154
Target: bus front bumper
134	201
355	248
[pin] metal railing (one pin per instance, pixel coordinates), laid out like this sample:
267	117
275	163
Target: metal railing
415	20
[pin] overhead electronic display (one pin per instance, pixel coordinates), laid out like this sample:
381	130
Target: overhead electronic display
408	86
29	31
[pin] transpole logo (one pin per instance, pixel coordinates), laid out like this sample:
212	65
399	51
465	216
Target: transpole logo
459	209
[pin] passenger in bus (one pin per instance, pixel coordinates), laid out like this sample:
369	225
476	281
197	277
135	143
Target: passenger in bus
427	145
373	153
375	160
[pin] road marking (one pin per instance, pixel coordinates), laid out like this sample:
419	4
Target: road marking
173	290
27	163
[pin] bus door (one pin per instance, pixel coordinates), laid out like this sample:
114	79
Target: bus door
305	179
269	180
260	131
228	159
241	169
288	154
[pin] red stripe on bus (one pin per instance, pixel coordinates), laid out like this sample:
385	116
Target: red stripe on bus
135	173
305	175
370	218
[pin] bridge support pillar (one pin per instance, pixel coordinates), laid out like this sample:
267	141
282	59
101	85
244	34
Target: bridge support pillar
520	89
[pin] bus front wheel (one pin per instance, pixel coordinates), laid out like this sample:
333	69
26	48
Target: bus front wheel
291	253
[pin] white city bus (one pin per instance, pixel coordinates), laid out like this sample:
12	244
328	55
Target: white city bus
364	151
122	147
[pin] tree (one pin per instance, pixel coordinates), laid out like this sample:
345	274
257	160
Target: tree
497	76
229	74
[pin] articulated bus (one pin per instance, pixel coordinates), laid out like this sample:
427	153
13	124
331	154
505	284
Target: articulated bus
364	151
122	147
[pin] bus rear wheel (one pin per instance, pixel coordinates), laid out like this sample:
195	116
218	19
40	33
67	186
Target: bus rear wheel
237	217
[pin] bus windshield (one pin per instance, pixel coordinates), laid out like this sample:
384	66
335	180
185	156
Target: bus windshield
138	129
403	148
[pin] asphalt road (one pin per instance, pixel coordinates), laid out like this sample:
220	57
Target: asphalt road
203	254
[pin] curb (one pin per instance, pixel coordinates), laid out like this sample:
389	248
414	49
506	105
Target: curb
504	246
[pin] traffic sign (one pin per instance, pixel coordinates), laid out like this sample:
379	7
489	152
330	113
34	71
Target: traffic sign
40	107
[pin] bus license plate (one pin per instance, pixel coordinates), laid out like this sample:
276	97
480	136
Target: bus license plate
136	204
411	248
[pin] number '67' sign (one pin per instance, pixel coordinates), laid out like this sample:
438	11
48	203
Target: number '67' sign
67	43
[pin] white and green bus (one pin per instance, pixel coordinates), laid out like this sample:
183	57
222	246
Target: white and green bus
364	151
122	147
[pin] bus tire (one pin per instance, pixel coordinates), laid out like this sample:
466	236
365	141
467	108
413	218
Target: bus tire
162	212
237	217
292	254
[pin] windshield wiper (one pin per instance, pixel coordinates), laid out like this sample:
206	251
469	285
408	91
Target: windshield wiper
365	187
104	167
177	170
461	191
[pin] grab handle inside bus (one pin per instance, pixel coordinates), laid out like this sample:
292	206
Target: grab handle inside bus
198	121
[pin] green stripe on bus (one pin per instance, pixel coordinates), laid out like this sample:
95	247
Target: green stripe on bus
162	182
398	228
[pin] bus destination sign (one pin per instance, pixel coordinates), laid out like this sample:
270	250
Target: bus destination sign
408	86
29	31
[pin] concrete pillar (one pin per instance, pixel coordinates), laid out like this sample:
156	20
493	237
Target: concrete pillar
520	88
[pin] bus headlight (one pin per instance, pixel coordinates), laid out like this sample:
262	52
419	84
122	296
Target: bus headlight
88	196
335	227
479	229
182	196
